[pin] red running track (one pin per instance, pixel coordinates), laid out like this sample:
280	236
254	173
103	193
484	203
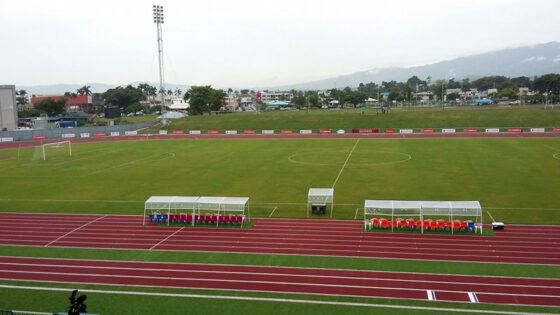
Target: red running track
394	285
516	244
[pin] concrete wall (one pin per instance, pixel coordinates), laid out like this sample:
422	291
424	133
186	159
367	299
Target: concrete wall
8	107
20	135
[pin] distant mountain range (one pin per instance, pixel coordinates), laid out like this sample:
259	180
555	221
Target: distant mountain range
528	61
524	61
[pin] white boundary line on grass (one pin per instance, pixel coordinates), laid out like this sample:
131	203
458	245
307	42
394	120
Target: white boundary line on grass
273	300
491	217
345	162
74	230
271	213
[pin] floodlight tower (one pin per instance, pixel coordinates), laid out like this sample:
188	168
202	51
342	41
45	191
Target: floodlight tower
158	19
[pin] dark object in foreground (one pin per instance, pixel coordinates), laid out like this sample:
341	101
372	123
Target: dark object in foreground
77	306
498	225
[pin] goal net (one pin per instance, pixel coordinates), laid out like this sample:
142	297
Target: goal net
61	146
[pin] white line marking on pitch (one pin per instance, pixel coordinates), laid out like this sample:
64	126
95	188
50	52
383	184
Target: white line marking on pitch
277	300
472	297
165	239
431	295
271	213
345	162
491	217
76	229
356	214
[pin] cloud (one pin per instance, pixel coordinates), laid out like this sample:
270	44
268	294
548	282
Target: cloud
531	59
556	59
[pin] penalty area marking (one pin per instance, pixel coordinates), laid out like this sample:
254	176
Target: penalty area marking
356	214
491	217
261	299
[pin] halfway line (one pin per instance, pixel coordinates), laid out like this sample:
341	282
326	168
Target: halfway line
345	162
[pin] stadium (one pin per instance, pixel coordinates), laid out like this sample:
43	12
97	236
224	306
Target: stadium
277	221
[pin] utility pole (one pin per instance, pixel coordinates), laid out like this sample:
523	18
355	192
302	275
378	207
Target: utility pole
158	19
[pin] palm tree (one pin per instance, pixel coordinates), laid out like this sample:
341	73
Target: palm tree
178	92
84	90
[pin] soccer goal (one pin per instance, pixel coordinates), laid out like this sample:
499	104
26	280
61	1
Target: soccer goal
61	145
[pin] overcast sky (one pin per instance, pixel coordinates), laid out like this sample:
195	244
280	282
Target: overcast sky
249	43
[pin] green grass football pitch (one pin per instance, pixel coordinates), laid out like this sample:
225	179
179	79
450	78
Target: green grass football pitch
515	180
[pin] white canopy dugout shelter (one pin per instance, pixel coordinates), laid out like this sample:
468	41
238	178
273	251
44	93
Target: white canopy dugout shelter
422	209
393	207
320	197
169	204
223	204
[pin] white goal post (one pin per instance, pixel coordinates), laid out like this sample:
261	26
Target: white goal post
57	145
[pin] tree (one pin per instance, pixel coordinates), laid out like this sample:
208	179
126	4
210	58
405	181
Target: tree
204	99
84	90
229	91
299	99
507	93
70	95
245	91
123	97
51	107
414	81
313	99
21	98
439	88
354	98
465	85
133	108
178	92
547	83
216	99
452	84
453	96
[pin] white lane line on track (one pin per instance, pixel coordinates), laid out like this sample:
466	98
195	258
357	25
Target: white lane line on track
491	217
345	162
267	267
305	275
245	281
74	230
168	237
273	300
306	254
265	250
271	213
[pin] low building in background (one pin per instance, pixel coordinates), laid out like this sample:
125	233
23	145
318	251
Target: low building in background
267	97
78	103
8	108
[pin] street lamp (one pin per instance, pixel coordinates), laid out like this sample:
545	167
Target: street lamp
158	19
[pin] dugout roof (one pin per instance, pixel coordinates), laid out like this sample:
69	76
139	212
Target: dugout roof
320	195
